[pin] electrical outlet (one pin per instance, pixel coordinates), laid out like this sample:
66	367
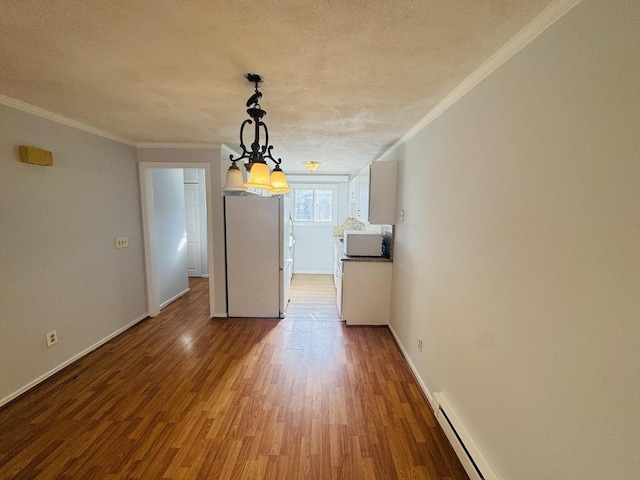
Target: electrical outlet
420	343
402	215
52	338
122	242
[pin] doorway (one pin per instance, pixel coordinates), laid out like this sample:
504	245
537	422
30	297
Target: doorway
157	270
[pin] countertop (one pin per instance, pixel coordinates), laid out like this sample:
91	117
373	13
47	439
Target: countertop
346	258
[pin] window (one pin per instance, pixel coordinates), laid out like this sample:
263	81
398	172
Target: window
314	204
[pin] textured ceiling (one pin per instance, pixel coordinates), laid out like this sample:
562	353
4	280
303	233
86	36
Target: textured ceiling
344	79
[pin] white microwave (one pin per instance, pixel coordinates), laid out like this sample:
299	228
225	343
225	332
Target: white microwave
358	243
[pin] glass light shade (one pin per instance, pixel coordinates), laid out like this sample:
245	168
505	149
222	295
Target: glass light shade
279	182
259	177
235	182
311	166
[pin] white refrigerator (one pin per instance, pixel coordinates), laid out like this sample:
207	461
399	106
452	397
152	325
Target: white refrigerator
259	255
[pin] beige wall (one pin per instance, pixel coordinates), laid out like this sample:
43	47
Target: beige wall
518	262
59	268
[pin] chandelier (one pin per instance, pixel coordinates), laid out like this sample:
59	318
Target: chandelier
260	177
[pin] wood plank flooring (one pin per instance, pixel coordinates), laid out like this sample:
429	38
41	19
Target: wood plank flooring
180	396
313	297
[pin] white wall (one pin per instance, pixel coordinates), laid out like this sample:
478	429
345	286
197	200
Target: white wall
313	251
167	225
59	268
518	262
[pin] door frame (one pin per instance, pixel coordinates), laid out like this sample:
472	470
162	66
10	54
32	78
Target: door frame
144	168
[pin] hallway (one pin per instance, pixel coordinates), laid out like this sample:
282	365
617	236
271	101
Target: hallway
313	297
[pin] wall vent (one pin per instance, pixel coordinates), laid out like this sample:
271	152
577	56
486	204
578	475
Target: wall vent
472	460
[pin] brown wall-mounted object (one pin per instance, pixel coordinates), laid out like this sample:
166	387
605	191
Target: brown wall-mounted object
34	155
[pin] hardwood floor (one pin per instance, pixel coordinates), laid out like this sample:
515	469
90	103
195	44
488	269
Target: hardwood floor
180	396
313	297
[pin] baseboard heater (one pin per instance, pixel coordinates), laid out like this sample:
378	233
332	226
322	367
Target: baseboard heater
472	460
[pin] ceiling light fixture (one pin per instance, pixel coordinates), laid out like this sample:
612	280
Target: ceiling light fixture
259	175
311	166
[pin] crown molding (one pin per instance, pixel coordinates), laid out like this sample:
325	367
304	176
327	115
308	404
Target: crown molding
185	146
539	24
41	112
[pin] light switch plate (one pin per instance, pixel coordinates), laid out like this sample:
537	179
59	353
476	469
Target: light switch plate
122	242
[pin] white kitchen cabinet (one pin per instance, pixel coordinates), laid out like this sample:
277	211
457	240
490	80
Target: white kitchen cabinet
339	290
364	176
337	273
353	196
376	193
337	264
366	292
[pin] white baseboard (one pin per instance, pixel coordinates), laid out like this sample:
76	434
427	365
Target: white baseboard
219	315
414	370
467	451
470	449
174	298
68	362
205	275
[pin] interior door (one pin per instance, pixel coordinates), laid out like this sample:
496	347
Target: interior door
192	218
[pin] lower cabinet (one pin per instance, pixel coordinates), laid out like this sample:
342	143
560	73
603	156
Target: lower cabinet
339	291
337	275
366	293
